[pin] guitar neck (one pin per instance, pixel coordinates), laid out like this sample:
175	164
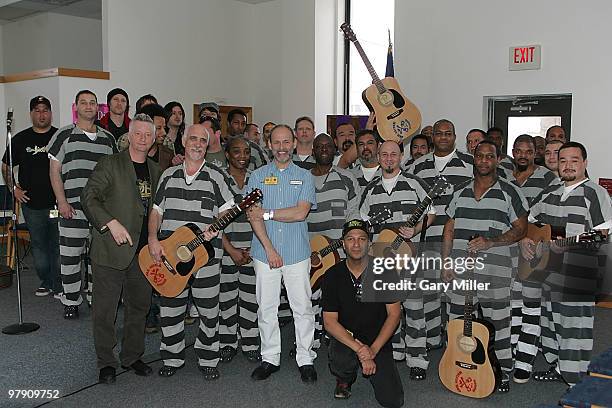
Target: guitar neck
379	85
218	225
467	314
335	244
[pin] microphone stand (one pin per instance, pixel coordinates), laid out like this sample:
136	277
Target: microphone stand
21	327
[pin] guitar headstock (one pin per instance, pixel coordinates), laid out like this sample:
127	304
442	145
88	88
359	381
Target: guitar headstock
440	186
380	217
251	199
348	32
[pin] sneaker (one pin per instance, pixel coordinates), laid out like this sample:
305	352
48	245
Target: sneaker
42	292
521	376
210	373
58	295
227	354
342	391
417	373
252	356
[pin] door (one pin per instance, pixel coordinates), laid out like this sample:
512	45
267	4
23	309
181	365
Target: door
530	114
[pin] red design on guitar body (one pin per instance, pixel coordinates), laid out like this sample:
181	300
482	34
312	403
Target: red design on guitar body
464	384
154	272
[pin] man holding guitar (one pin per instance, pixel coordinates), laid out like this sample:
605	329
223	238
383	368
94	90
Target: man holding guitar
401	192
337	195
191	192
578	205
495	211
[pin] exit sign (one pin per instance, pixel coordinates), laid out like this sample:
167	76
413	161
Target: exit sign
525	57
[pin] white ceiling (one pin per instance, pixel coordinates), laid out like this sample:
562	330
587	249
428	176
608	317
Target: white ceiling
15	10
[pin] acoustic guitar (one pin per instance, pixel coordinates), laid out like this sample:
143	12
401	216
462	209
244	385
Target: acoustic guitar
469	366
390	242
397	118
324	253
543	236
187	251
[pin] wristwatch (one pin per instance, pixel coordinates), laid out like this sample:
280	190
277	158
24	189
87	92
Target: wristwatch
268	215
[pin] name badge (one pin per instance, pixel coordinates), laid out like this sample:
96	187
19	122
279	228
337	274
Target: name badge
295	182
271	181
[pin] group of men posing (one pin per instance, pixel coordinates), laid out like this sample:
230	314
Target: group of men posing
311	185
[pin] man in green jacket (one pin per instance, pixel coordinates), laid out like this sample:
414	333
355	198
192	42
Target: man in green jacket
116	201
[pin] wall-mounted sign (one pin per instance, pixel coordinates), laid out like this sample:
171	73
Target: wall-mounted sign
525	57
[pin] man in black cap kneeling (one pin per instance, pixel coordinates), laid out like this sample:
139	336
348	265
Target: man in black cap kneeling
361	332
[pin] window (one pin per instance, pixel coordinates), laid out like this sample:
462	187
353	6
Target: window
371	22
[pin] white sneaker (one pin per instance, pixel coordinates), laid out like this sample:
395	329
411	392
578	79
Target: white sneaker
42	292
58	295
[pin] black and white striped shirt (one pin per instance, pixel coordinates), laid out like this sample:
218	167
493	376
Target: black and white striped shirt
338	195
239	232
459	170
359	175
536	183
78	155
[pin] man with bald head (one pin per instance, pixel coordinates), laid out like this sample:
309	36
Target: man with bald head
401	192
196	192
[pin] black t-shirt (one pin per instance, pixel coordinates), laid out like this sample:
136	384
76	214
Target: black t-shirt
364	320
117	131
143	181
30	154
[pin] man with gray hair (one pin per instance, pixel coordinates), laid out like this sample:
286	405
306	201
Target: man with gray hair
193	191
116	201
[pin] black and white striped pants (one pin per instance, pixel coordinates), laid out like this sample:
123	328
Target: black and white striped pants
238	306
567	336
526	348
74	236
205	294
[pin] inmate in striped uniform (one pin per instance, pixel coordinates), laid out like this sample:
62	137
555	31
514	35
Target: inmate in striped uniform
180	202
507	163
237	301
338	195
489	217
567	326
78	155
259	157
457	171
308	163
403	200
526	296
361	177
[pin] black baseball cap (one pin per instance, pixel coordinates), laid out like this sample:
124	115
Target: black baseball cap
37	100
355	224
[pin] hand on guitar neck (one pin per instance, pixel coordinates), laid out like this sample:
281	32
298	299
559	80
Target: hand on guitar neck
475	244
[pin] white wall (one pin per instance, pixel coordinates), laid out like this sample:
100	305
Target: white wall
75	42
195	51
48	40
451	54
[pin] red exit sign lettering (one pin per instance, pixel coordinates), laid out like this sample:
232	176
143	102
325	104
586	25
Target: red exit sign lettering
525	57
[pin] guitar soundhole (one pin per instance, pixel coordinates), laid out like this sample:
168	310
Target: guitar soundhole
466	344
385	98
183	253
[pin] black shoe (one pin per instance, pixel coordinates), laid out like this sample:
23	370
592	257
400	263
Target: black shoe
169	371
71	312
210	373
520	376
227	354
252	356
264	370
417	374
342	391
504	386
139	368
308	373
107	375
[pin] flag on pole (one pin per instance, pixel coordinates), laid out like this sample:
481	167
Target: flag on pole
389	71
